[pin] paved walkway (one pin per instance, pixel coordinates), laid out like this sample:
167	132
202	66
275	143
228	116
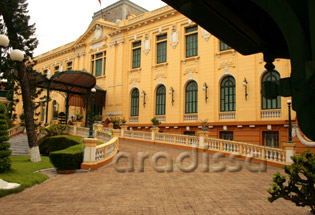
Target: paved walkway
19	145
106	191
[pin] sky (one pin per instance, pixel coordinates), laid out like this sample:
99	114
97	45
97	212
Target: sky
59	22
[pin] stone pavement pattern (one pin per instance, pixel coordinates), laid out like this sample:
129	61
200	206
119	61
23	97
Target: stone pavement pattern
106	191
19	145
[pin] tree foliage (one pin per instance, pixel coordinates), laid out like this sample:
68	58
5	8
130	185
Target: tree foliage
5	162
298	186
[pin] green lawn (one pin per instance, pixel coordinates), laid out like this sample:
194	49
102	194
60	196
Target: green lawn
22	172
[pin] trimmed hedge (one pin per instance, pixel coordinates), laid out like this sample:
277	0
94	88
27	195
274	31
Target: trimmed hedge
59	142
68	159
5	152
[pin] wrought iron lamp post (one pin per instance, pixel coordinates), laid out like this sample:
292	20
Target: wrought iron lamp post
93	90
290	123
205	88
245	83
171	92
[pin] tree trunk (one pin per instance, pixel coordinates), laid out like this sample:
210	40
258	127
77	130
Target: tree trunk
28	113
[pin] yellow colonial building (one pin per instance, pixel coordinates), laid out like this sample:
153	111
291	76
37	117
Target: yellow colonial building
161	64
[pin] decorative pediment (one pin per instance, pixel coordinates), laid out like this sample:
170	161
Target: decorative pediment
97	29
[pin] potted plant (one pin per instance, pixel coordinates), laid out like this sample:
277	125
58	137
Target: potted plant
155	122
116	123
123	121
98	119
78	116
204	124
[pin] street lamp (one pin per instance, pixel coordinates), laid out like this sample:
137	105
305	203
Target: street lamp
93	91
17	55
4	42
290	124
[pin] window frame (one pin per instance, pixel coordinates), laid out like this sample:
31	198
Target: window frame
160	100
161	45
191	39
191	98
230	99
274	138
69	67
136	54
224	46
98	58
268	104
134	104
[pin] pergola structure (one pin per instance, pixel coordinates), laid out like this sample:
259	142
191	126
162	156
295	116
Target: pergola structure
74	83
276	28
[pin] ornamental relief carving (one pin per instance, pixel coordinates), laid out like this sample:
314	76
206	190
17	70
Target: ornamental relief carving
160	74
226	62
190	68
134	76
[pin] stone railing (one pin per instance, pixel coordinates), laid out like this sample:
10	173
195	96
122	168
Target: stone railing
227	116
96	156
271	114
245	149
190	117
208	144
15	130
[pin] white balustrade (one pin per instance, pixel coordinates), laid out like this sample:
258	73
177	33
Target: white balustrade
227	116
191	117
271	114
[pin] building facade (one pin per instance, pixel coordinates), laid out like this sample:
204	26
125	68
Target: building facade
161	64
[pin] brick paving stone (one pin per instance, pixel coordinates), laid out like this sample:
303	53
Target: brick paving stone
105	191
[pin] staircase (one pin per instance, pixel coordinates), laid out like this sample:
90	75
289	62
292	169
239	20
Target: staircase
19	145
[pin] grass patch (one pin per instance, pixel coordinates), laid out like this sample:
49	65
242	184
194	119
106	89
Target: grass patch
22	172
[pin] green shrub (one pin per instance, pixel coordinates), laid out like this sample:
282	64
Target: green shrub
300	187
59	142
5	162
67	159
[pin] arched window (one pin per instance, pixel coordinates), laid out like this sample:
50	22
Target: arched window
228	98
135	103
191	97
160	100
270	103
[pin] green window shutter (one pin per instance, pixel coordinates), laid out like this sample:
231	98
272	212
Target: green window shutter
136	56
161	52
191	101
191	45
228	95
160	100
270	103
135	103
224	46
98	69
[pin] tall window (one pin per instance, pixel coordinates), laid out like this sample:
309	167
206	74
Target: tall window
224	46
69	65
191	34
161	48
56	69
191	97
136	54
271	138
98	64
135	103
160	100
270	103
228	102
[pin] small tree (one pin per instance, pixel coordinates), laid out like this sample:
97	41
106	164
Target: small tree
300	187
155	122
5	162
